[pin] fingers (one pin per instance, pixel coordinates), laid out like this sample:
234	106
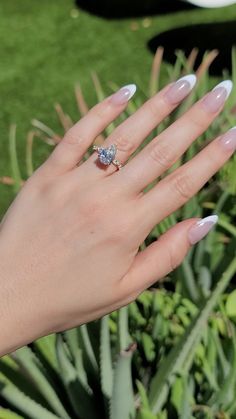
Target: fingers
178	187
131	133
164	150
164	255
78	138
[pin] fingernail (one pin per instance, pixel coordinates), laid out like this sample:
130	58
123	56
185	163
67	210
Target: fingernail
214	100
124	94
180	89
201	228
228	141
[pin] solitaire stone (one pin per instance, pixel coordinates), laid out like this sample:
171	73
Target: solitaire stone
107	155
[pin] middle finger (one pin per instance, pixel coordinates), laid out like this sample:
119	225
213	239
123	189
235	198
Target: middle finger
161	153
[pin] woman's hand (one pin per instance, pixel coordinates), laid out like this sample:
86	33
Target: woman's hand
69	242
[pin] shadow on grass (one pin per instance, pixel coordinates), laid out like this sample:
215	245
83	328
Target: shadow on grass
221	36
112	9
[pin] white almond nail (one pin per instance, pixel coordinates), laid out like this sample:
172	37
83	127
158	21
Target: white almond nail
227	84
191	78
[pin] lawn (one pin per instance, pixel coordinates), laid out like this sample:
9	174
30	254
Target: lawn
47	47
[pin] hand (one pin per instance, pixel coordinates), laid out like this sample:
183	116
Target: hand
70	240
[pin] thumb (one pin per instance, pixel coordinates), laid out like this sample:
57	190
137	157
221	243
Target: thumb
164	255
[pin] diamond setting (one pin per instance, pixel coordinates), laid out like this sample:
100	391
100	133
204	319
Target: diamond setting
107	155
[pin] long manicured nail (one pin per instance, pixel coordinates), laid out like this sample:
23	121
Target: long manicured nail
228	141
124	94
180	89
215	99
201	228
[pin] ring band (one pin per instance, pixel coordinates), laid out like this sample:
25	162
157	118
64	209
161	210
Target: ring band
106	155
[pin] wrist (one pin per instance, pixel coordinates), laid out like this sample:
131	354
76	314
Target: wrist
15	317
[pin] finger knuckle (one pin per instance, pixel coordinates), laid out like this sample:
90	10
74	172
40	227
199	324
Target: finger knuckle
125	142
120	231
197	121
72	138
182	186
162	155
154	107
174	258
101	110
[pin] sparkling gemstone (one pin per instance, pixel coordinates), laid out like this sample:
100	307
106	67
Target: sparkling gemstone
106	155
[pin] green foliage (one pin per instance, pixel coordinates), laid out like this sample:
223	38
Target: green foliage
169	353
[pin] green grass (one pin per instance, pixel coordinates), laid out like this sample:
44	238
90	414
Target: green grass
45	51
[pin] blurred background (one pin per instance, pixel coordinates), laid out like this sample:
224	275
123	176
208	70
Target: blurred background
48	47
172	353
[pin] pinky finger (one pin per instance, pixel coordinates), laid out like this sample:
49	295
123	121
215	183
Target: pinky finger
164	255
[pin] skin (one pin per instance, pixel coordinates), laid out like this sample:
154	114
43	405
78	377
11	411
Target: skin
69	242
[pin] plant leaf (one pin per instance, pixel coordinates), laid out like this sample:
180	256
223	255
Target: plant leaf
122	401
106	370
174	361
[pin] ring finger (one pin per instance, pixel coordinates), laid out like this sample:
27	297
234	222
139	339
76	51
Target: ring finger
130	134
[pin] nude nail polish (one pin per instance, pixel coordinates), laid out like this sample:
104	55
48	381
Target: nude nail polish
180	89
215	99
228	141
201	228
124	94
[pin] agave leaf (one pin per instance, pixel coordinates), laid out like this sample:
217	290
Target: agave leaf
174	361
23	403
122	401
89	357
226	394
155	71
231	100
189	282
64	119
29	151
187	399
41	380
181	58
106	370
46	346
177	393
208	59
148	346
123	328
13	374
227	226
15	168
181	397
81	103
199	255
101	96
174	72
46	130
146	414
222	360
205	280
192	59
8	414
80	397
143	395
135	314
71	337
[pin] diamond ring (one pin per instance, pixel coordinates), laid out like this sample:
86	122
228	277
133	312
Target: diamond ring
106	155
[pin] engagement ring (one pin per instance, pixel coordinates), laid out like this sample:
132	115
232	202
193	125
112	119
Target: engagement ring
106	155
